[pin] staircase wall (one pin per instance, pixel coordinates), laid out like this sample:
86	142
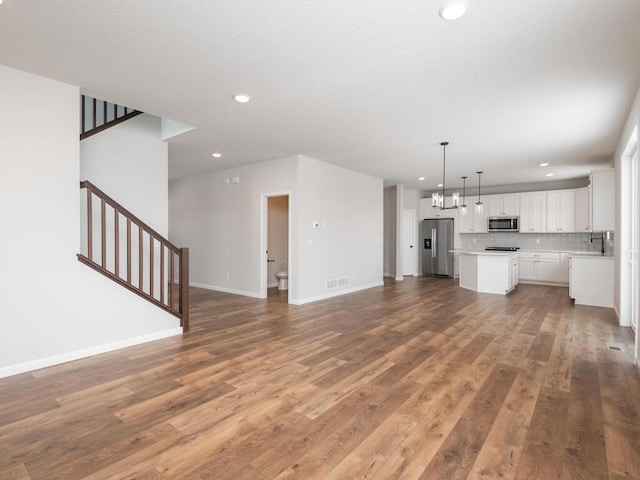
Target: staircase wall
52	308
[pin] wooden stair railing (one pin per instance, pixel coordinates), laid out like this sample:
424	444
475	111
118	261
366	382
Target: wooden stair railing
98	115
149	262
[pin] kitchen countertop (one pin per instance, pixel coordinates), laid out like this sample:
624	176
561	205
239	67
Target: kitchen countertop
481	252
589	255
494	252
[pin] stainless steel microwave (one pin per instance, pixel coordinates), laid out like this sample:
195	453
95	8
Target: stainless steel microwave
504	224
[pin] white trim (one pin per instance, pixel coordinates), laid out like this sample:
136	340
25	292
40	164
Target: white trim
272	284
86	352
226	290
387	274
334	294
399	279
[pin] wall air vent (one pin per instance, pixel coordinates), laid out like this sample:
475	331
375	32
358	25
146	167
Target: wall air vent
337	283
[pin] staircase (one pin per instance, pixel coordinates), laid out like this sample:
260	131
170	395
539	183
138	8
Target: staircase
119	245
122	247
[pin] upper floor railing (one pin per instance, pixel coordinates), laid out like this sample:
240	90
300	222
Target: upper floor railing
98	115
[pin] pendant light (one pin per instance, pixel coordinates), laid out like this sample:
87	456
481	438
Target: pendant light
479	205
463	207
437	199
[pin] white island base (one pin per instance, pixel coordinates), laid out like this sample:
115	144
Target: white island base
489	272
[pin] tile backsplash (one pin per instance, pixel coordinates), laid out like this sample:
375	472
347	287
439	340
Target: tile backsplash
570	242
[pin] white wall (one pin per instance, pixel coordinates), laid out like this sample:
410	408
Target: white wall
129	162
222	225
53	308
348	206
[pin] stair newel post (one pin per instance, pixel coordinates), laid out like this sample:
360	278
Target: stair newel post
184	288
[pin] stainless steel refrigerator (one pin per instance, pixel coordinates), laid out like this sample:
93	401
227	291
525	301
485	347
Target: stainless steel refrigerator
437	243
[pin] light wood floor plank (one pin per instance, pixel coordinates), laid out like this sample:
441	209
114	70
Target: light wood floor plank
416	379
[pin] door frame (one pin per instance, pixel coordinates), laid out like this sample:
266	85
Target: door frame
262	254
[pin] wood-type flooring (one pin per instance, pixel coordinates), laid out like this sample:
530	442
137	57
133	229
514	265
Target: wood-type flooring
414	380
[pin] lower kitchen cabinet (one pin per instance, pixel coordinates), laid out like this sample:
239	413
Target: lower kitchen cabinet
543	267
591	280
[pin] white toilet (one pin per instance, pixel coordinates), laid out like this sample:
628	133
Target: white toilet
283	280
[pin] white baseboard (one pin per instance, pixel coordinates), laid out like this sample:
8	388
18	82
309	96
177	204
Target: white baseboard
272	284
86	352
400	278
324	296
225	290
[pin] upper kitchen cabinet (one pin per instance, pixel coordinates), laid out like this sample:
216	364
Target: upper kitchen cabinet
561	212
603	184
472	222
583	210
503	205
533	212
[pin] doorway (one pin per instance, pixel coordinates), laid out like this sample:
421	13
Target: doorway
276	242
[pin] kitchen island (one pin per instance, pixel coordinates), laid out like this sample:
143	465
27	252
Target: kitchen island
488	272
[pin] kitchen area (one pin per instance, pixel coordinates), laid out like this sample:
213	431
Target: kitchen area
555	237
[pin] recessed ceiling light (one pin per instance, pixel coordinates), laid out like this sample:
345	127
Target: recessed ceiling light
545	164
420	178
439	185
549	174
453	9
216	155
242	98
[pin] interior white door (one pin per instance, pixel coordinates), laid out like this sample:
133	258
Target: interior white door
408	242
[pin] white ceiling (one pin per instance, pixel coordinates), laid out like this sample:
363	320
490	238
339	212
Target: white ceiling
371	85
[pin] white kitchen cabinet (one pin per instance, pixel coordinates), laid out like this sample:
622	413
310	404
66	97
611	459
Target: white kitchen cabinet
472	222
533	212
539	267
582	211
603	184
591	280
561	211
503	205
